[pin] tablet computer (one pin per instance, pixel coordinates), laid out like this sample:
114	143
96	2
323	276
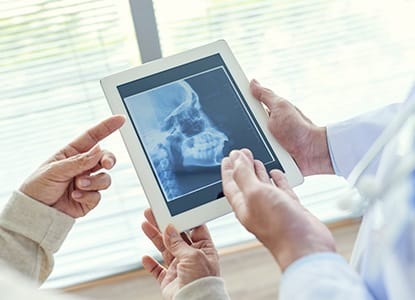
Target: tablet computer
184	114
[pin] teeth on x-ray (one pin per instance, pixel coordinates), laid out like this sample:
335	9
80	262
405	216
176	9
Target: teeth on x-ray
202	149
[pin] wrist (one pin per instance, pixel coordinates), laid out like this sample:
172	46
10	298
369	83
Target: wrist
25	190
317	158
31	193
308	236
286	257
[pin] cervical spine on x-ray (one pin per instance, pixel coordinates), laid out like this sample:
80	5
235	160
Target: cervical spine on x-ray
191	140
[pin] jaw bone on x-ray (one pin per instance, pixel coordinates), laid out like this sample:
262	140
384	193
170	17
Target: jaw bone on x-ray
183	138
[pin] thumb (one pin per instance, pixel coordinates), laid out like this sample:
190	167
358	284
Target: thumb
175	243
77	164
263	94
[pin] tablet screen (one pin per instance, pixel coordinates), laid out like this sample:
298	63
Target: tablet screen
187	119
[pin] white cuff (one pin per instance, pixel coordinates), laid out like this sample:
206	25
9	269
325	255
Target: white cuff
313	259
322	276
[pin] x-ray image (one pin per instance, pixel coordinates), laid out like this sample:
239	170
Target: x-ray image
186	127
192	141
178	136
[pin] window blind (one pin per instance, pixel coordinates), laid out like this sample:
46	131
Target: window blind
332	58
52	55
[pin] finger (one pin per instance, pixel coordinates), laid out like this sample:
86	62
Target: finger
154	268
244	174
230	188
89	199
248	154
228	184
93	135
281	181
156	238
148	214
200	233
175	243
261	171
97	182
107	161
154	235
264	95
75	165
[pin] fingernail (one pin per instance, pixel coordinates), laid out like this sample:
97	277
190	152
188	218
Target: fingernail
172	232
85	182
76	194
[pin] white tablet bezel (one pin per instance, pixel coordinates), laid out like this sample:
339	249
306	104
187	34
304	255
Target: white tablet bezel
201	214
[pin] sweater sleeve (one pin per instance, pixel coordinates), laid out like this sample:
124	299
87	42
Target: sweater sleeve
30	233
206	288
322	276
14	285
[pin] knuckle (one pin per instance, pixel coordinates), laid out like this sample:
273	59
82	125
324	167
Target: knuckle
175	244
266	93
283	104
81	161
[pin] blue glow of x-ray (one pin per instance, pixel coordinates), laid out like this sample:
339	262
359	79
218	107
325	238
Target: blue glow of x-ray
177	134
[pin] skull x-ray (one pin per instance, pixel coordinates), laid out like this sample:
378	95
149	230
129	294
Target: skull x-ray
186	125
178	135
192	138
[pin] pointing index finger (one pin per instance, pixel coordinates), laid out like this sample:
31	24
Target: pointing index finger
95	134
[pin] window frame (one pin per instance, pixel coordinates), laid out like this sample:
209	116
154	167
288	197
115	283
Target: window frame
144	20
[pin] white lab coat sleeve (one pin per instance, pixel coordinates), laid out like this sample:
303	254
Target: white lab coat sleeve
322	276
349	140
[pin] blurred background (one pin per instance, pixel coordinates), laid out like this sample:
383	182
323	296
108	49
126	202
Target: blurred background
331	58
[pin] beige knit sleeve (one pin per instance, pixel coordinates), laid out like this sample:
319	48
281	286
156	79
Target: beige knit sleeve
30	233
206	288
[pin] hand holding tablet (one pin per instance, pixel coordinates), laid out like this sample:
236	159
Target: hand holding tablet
185	113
